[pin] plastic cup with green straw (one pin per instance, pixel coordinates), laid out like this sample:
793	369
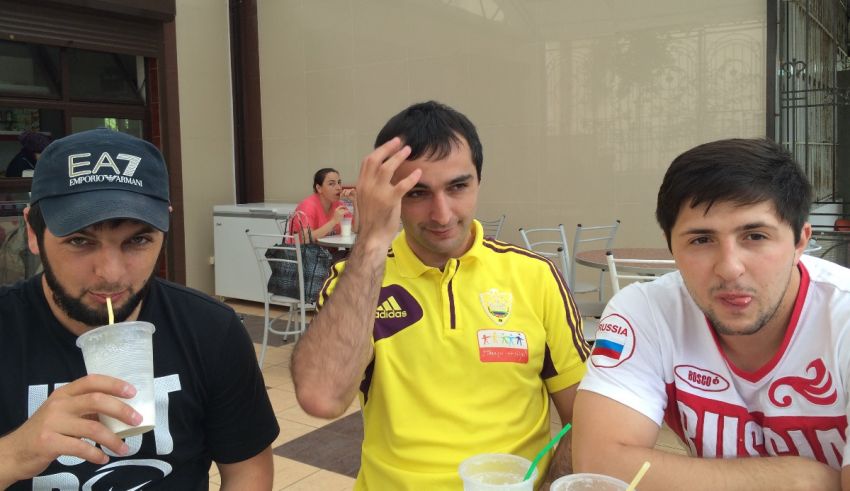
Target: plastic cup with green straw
548	446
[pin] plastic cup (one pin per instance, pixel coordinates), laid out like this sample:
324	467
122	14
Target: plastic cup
496	472
588	482
124	351
345	226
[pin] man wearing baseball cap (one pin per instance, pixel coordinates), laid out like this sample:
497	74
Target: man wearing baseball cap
98	216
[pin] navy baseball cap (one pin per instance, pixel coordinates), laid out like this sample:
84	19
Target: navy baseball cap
98	175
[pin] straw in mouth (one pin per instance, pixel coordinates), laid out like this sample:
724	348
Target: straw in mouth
109	310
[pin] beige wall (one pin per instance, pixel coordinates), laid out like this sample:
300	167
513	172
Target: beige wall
580	105
206	125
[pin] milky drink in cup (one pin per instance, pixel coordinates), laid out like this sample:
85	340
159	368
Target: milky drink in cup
124	351
345	226
588	482
496	472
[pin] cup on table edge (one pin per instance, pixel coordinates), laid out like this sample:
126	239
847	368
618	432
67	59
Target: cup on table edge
496	472
125	351
345	226
588	482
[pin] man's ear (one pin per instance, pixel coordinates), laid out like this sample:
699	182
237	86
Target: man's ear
805	236
32	241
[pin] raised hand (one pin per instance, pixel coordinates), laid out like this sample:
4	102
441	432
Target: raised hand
378	200
340	212
58	426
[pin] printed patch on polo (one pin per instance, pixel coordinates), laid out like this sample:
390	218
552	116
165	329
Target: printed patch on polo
390	309
396	310
496	345
497	305
615	342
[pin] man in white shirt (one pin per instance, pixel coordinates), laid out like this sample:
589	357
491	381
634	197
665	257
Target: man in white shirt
743	352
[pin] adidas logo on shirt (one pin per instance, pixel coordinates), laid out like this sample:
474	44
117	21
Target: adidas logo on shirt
390	310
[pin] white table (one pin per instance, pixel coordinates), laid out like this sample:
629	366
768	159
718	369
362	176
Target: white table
341	241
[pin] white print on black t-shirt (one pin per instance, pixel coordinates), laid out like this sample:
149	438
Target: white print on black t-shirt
63	481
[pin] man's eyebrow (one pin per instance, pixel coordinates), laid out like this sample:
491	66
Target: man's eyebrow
456	180
755	225
460	179
144	228
697	231
742	228
147	229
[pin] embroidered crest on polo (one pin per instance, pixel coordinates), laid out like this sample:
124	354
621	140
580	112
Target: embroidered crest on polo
497	305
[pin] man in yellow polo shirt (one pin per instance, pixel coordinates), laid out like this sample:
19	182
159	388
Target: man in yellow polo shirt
454	342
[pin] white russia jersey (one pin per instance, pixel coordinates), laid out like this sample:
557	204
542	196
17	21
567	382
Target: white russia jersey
656	353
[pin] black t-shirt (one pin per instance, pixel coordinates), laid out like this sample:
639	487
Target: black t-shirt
211	402
19	164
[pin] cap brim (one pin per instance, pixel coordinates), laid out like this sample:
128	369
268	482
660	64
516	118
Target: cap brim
71	213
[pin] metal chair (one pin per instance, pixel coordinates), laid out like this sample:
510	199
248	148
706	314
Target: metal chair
663	266
492	228
600	237
283	223
550	243
261	243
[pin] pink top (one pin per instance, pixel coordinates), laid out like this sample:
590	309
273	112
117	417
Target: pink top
312	214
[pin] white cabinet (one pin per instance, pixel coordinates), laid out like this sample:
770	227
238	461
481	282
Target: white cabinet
236	272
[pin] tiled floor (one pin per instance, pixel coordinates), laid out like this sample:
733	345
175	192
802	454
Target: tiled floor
291	475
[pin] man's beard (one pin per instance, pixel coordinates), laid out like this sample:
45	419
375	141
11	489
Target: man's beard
755	327
77	310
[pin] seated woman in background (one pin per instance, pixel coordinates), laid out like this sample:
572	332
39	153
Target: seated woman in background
322	211
32	144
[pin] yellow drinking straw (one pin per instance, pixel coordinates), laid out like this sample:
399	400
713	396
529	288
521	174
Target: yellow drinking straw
638	477
109	310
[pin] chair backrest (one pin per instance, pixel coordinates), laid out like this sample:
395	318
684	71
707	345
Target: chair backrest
290	253
592	237
550	243
283	223
493	227
659	266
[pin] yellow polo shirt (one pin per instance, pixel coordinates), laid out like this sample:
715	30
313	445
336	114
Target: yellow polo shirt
464	360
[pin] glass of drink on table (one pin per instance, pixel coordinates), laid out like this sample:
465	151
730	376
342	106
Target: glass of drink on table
345	225
588	482
496	472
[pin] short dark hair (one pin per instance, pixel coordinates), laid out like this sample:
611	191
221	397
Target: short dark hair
433	130
36	222
741	171
319	176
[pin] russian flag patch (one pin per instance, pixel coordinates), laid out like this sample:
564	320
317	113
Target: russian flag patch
604	347
615	342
